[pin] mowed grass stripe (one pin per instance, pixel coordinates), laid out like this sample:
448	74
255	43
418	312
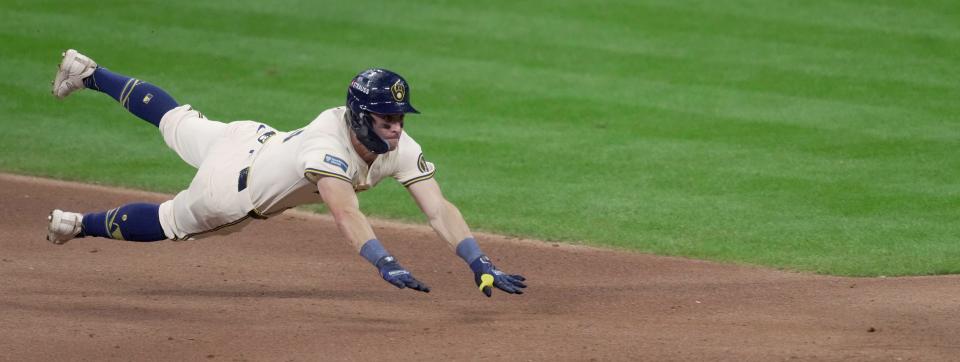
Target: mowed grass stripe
253	32
694	67
926	19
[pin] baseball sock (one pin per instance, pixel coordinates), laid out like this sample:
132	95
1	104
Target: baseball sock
143	99
133	222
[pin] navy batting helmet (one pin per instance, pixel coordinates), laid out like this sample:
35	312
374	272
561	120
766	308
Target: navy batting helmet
377	91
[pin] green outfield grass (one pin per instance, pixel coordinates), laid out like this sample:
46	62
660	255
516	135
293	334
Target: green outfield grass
815	135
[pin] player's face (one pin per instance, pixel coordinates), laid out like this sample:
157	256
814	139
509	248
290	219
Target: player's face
389	127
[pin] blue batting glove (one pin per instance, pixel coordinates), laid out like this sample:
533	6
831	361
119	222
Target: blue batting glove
393	273
487	276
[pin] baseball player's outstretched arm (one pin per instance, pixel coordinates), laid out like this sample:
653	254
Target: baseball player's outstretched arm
445	218
340	198
448	222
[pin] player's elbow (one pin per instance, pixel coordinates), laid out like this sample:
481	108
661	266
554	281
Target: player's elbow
442	210
345	215
433	210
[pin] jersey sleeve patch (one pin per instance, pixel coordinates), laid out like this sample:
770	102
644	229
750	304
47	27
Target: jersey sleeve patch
410	165
426	169
336	161
422	164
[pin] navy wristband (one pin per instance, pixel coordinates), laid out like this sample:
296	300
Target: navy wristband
468	250
373	251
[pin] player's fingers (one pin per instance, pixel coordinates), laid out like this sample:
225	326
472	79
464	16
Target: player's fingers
518	277
413	283
488	291
507	287
417	285
515	282
397	283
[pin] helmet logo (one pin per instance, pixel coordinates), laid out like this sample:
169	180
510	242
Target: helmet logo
398	91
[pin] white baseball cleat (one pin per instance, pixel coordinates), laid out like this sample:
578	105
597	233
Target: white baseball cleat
73	68
63	226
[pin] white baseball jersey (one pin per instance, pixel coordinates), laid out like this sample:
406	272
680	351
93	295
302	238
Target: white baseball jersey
248	170
285	173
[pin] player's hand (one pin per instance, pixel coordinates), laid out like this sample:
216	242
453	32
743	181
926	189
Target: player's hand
487	276
393	273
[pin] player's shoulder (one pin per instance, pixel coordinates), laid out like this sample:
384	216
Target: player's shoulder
408	145
327	130
330	122
330	118
409	164
406	155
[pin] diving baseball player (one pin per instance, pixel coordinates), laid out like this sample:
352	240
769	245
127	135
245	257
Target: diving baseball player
248	171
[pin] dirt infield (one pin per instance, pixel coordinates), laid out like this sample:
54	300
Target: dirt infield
291	289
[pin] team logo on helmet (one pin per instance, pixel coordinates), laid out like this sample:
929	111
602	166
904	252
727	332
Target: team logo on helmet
398	91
